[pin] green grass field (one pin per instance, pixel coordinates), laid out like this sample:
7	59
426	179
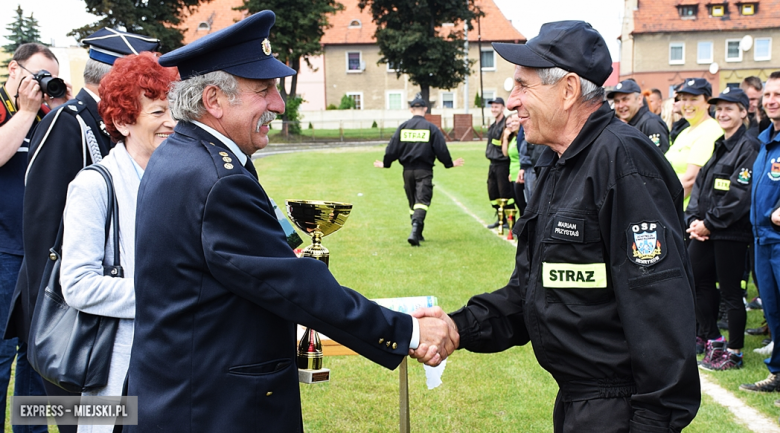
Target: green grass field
504	392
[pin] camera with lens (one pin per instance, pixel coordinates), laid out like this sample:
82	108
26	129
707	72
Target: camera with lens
52	86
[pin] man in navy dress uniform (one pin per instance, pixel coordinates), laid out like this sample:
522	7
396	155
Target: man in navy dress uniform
218	289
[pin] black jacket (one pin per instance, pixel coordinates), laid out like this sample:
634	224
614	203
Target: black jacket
602	285
677	128
652	126
721	193
56	155
416	144
493	149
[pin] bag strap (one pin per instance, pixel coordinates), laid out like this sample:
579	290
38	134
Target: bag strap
112	215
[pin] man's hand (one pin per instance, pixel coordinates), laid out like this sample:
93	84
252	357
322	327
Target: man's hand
439	336
775	217
30	96
379	164
698	231
458	162
520	176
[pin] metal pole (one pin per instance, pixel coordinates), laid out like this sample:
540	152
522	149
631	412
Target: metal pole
403	391
481	89
466	51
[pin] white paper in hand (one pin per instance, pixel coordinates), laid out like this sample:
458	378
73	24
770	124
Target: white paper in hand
433	374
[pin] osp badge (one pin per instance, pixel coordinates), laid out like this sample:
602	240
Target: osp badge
645	242
774	171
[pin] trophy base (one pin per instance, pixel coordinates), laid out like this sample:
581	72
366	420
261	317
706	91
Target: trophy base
313	376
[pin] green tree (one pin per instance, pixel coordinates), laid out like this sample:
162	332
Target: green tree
347	103
159	19
411	39
22	30
296	35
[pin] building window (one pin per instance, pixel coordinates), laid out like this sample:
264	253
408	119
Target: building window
395	100
717	10
733	53
391	67
704	54
487	95
688	12
354	61
762	49
747	9
447	100
677	53
355	24
358	98
488	59
203	27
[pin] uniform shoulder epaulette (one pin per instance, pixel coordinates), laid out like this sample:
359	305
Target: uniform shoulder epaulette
225	162
74	106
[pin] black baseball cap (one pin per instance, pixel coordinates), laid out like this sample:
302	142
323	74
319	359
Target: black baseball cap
497	101
732	95
627	86
696	86
574	46
418	102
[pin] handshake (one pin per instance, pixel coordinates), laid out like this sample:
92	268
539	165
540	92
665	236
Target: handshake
438	336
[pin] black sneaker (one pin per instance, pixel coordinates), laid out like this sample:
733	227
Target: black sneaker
755	304
770	384
494	225
761	330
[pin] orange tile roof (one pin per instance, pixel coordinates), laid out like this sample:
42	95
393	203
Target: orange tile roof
220	14
656	16
495	27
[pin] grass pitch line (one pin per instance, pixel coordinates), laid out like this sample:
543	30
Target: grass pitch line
751	418
472	214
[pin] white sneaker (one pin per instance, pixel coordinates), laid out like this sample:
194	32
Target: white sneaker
766	350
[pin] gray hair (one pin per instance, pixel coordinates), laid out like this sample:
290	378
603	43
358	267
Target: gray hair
94	71
186	96
591	93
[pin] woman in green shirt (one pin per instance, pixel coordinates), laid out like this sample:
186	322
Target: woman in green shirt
509	148
693	147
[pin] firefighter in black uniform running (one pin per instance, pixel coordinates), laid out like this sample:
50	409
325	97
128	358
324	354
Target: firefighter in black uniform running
498	184
416	145
630	108
602	285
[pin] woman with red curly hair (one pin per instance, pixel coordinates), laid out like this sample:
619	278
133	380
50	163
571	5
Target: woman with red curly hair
134	107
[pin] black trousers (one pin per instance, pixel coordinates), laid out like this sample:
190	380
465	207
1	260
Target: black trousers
498	184
418	185
520	196
722	262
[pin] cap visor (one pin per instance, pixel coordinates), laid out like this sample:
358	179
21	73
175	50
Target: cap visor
521	54
263	69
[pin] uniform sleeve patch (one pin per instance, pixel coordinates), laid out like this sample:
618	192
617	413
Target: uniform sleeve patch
646	243
568	229
722	184
655	138
744	176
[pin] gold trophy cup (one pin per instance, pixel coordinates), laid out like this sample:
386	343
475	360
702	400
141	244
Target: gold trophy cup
317	219
511	215
501	203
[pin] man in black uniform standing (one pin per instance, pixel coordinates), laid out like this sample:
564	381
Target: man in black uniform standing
630	108
416	144
498	174
602	285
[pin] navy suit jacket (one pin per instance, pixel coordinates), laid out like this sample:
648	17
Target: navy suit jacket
56	155
218	296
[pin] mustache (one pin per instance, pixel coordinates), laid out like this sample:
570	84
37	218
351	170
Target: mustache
265	118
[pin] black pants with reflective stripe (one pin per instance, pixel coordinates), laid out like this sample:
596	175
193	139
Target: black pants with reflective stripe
498	184
418	184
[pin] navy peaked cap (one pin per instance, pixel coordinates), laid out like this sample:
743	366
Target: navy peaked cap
696	86
627	86
243	50
106	45
573	46
418	102
732	95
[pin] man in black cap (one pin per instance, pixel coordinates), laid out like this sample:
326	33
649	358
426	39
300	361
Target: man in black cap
23	104
602	285
416	144
498	173
630	108
66	140
218	290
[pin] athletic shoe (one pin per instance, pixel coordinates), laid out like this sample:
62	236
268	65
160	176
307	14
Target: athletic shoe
766	341
755	304
766	350
716	351
729	361
761	330
770	384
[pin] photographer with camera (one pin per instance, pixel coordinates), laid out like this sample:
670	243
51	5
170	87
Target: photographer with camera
31	73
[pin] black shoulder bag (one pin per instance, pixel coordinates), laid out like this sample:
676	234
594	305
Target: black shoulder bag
68	347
